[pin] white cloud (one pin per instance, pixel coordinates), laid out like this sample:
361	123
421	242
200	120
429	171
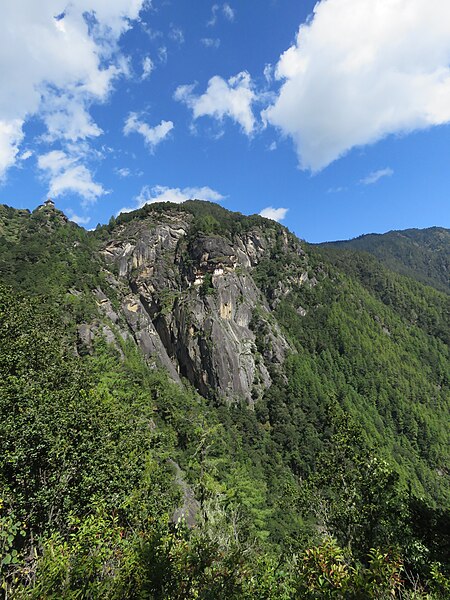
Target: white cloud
232	98
152	135
213	19
25	155
268	72
229	13
123	172
79	220
376	176
176	35
210	42
272	146
336	190
275	214
11	135
153	34
161	193
67	119
55	67
162	54
361	70
66	175
147	67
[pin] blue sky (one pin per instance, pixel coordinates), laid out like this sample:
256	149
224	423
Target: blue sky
331	117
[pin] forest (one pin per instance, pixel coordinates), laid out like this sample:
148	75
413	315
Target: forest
119	481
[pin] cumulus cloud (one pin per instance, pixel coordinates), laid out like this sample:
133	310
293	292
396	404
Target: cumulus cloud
147	67
361	70
161	193
56	59
11	135
65	174
275	214
152	135
67	119
232	98
376	176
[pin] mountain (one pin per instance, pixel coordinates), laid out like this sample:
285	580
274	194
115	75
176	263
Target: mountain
423	254
289	402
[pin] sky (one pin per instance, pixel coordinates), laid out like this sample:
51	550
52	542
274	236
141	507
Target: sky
331	117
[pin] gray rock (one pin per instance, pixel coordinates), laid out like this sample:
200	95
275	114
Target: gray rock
190	507
188	301
85	337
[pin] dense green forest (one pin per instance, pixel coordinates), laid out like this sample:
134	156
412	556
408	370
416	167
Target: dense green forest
423	254
116	481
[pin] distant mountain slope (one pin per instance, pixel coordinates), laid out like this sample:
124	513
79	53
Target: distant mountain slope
420	253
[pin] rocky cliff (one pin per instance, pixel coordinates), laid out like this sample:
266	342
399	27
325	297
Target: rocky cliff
189	299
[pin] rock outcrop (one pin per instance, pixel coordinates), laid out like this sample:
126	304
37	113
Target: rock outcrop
189	299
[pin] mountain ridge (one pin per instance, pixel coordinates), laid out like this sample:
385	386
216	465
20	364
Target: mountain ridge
423	254
254	372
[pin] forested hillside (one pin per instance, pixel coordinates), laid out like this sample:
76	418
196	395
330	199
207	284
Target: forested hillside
423	254
196	404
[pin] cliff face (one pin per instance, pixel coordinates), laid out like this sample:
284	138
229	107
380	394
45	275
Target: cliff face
189	300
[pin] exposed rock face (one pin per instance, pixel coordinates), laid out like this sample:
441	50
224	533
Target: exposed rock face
189	299
190	506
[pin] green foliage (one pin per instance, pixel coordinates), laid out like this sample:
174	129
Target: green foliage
41	253
208	218
354	494
440	582
326	573
68	437
206	288
95	560
334	485
418	305
423	254
64	439
389	373
10	531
